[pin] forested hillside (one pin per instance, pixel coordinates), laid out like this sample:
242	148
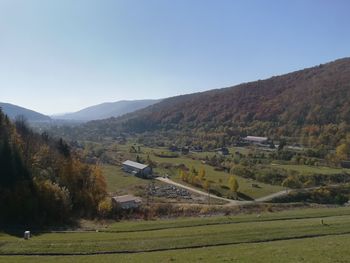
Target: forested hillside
13	111
311	105
41	180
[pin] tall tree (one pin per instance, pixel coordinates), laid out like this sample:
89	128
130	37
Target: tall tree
233	185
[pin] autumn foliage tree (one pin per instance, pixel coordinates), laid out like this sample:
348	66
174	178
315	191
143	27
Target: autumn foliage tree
343	151
42	180
233	185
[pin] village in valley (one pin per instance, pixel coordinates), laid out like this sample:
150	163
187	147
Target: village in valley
187	174
174	131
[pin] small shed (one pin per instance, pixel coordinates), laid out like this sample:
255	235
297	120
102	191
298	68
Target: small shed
136	168
126	201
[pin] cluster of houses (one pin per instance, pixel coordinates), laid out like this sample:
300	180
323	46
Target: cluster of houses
185	149
246	141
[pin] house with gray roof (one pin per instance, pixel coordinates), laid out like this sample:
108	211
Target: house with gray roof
137	169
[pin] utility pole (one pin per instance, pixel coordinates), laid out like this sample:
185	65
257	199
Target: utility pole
208	195
147	195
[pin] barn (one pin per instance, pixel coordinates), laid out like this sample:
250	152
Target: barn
137	169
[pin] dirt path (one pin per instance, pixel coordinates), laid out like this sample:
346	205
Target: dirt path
287	191
272	196
231	202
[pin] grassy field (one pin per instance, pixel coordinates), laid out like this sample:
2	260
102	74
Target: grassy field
117	180
328	249
216	220
306	169
294	236
121	183
219	179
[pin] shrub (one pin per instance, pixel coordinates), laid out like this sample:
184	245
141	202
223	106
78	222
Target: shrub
105	207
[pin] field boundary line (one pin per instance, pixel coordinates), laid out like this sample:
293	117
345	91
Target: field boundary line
222	223
89	231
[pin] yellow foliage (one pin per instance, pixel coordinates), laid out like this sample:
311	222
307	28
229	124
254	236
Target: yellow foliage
343	151
233	184
105	207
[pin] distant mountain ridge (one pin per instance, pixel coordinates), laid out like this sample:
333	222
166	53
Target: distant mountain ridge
12	111
106	110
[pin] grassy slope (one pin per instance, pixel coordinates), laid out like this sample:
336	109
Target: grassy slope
337	221
306	169
118	180
195	221
327	249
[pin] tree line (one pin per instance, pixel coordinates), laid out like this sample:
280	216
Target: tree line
42	181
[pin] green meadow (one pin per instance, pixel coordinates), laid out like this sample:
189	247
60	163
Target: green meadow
307	235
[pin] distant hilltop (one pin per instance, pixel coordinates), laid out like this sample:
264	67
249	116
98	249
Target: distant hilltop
106	110
12	111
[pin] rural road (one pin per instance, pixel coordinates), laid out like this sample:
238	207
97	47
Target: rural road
194	190
230	201
272	196
287	191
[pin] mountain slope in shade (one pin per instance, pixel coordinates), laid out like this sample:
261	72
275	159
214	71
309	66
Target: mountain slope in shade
31	116
305	102
107	110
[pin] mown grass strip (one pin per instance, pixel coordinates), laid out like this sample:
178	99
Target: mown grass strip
171	249
167	239
123	227
326	249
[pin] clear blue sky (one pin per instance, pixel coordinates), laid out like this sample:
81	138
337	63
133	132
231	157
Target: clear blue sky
63	55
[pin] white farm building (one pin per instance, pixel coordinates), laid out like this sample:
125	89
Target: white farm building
137	169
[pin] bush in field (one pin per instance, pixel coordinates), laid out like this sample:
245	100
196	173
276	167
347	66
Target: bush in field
105	207
271	175
292	182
